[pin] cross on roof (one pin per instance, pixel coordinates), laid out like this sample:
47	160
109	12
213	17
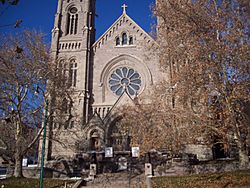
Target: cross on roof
124	6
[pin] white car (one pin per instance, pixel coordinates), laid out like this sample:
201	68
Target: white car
3	173
2	177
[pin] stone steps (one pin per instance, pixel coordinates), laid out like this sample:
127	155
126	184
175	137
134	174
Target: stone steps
117	180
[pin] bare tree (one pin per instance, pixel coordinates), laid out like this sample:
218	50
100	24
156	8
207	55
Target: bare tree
24	70
204	46
8	130
144	123
11	2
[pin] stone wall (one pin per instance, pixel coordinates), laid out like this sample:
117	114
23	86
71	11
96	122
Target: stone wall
220	166
184	168
202	152
31	172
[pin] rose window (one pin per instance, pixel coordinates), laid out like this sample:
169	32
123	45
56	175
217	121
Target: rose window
125	78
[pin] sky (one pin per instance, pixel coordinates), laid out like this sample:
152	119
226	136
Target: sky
39	15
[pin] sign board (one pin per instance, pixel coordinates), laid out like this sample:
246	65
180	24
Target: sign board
92	171
122	163
135	151
25	162
109	152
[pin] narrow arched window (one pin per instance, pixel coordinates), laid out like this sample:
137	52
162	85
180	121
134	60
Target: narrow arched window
75	75
60	65
71	124
68	23
72	74
173	102
72	24
124	39
117	42
64	75
131	41
76	24
61	73
65	105
72	21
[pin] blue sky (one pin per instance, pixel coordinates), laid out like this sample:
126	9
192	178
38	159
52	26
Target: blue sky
39	14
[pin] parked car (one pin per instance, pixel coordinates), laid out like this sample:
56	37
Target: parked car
3	173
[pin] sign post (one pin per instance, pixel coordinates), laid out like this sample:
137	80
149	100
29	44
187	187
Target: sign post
135	152
108	152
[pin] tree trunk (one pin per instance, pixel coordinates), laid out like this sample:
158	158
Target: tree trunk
18	157
18	166
243	159
243	155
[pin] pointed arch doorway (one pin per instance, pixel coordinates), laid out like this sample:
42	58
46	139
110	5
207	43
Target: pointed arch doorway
95	141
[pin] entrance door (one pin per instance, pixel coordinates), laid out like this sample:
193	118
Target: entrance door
95	144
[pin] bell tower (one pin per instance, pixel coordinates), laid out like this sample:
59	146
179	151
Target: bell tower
72	37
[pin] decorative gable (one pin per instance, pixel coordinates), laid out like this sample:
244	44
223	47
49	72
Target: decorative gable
121	37
125	98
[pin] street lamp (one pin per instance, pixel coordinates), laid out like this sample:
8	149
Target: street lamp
43	144
44	136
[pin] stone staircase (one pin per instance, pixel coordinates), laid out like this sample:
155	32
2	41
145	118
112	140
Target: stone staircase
79	184
128	179
117	180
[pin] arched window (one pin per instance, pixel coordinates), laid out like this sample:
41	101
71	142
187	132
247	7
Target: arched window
76	24
71	124
75	74
117	41
72	74
124	39
72	21
61	69
65	106
131	41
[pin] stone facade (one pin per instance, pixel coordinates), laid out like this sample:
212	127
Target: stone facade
103	75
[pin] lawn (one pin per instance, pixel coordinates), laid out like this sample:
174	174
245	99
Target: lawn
239	179
31	183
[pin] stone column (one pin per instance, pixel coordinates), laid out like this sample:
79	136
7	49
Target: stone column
92	171
148	174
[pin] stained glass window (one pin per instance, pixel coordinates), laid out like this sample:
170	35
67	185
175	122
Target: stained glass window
125	78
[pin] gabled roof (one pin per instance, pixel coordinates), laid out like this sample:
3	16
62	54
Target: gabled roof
123	19
95	119
125	98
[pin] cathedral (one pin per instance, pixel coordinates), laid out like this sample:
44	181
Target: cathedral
120	68
103	75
